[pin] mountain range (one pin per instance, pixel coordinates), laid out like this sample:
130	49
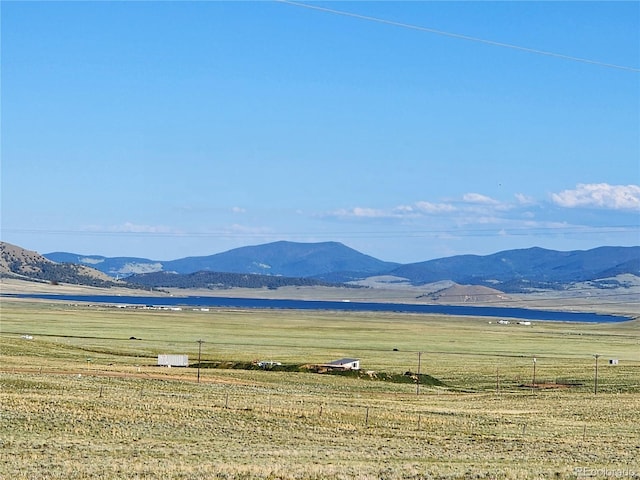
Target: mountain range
289	259
508	271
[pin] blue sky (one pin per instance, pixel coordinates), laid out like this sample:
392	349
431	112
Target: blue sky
173	129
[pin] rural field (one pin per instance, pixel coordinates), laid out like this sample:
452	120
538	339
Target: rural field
81	396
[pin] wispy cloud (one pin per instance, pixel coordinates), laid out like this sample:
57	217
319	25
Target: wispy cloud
469	203
418	209
130	227
522	214
600	195
523	199
478	198
237	229
477	208
434	208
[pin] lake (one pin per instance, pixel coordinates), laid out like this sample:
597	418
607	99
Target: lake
259	303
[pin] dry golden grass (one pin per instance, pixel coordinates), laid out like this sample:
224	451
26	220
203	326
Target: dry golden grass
118	416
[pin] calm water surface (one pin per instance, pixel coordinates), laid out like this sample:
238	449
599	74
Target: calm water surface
258	303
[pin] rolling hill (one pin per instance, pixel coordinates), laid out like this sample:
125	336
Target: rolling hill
526	269
290	259
219	281
511	271
18	263
112	266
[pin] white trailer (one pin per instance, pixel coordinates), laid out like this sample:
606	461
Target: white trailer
168	360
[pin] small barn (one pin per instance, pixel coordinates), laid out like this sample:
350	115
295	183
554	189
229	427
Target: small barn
344	364
168	360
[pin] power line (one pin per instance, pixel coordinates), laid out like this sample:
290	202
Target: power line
489	232
459	36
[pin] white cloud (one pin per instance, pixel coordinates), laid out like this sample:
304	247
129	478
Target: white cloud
368	212
129	227
479	198
474	204
428	207
238	210
602	195
418	209
523	199
137	228
360	212
523	213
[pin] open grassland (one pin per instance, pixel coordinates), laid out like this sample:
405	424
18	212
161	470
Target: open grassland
83	400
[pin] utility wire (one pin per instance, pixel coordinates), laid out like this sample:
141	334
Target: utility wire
459	36
418	233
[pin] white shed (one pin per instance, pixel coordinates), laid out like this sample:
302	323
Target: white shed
167	360
345	364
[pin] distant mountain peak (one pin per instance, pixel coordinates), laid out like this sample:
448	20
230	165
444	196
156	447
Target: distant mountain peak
508	270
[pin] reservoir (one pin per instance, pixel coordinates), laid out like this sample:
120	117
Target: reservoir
260	303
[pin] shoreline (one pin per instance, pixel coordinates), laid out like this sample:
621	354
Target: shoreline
604	304
502	314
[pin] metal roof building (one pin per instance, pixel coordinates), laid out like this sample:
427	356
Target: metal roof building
345	364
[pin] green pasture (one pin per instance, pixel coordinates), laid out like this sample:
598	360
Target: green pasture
466	353
83	400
